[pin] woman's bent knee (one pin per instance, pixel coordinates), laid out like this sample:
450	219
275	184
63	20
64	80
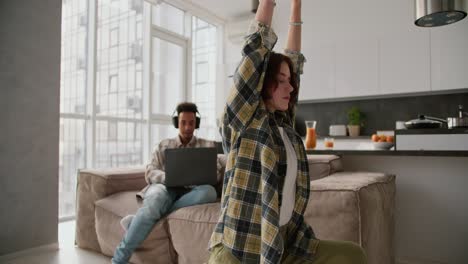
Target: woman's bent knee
355	254
340	252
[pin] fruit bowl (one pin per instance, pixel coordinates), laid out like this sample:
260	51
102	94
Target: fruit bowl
383	145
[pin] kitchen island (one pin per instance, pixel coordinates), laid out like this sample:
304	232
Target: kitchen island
431	199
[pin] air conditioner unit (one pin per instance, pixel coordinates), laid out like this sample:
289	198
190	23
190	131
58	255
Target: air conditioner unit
83	21
136	5
80	109
80	63
134	103
236	30
136	51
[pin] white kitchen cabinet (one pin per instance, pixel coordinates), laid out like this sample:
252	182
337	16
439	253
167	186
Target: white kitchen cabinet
449	56
318	80
404	50
357	68
378	50
404	61
341	61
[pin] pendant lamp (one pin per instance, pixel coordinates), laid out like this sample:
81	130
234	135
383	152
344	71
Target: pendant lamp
434	13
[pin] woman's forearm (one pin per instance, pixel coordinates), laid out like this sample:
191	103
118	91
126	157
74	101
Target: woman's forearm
265	12
295	27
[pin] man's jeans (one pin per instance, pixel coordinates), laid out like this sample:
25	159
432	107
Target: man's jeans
158	202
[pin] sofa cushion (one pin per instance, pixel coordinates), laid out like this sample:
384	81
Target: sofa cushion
323	165
358	207
191	229
109	212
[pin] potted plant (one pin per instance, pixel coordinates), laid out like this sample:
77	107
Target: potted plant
355	121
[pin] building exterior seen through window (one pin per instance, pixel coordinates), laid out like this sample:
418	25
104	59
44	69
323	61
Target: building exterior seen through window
204	57
115	102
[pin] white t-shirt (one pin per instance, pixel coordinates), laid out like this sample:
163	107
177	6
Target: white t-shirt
289	187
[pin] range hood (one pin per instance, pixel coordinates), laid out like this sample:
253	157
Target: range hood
434	13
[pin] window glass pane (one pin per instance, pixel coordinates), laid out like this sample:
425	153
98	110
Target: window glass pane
118	144
73	59
204	49
73	69
168	17
160	132
119	58
72	157
168	76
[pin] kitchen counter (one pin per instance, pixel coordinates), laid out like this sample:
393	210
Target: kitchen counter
441	153
450	146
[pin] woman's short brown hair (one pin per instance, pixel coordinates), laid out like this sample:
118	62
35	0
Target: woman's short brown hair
270	82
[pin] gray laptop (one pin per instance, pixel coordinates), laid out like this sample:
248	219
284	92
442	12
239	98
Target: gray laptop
190	166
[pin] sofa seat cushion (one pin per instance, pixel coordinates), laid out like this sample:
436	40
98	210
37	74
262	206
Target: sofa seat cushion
323	165
191	229
358	207
110	210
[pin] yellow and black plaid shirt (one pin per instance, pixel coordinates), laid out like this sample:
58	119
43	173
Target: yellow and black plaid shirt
256	165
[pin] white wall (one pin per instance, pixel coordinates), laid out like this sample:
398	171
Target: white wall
431	205
29	123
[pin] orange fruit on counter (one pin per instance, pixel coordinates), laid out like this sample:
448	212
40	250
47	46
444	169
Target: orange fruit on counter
375	137
383	137
390	139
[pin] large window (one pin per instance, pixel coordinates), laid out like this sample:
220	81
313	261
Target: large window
125	66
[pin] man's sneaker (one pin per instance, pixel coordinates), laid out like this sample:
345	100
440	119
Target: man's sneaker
125	222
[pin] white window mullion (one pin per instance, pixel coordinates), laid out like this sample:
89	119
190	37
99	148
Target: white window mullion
187	72
220	97
167	35
147	76
91	84
120	119
188	58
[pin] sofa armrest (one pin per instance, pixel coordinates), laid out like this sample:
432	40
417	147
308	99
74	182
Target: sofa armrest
321	166
95	184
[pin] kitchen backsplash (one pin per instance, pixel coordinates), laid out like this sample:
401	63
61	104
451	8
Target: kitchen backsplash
381	114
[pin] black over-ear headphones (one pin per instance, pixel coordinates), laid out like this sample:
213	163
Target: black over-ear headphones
175	119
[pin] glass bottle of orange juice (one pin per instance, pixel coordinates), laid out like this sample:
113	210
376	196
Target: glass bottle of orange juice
311	136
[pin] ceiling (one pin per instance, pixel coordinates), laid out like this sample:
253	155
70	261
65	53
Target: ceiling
228	10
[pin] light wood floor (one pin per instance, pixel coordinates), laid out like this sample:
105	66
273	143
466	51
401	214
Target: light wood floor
67	254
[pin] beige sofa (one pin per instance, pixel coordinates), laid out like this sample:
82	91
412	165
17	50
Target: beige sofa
353	206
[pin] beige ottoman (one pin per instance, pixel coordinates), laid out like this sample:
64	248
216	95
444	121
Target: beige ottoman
358	207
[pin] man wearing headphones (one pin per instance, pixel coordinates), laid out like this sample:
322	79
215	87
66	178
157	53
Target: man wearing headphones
159	200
